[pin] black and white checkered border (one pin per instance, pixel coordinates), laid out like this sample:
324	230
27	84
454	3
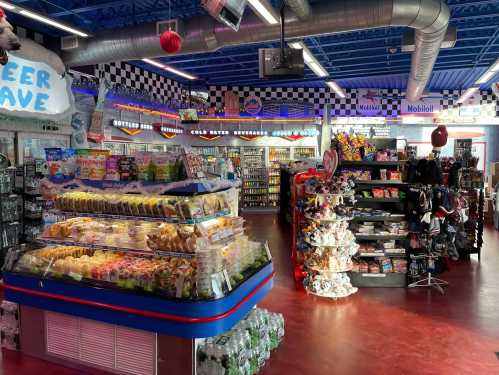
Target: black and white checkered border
341	107
122	73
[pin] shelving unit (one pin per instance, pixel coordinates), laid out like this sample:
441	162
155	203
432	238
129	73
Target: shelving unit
394	205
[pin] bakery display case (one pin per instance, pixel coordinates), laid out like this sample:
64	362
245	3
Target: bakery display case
179	267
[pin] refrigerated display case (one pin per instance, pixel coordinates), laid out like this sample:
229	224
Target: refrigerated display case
116	148
277	155
177	266
304	153
255	178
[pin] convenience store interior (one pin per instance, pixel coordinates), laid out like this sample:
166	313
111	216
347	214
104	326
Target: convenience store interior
249	187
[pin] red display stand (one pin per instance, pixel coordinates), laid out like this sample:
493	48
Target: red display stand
297	194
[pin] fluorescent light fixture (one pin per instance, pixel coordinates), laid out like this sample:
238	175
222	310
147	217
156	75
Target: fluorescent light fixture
51	22
486	77
169	69
265	11
154	63
466	95
491	72
337	89
495	66
41	18
179	73
310	59
7	6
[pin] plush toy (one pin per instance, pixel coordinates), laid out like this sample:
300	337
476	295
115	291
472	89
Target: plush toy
8	40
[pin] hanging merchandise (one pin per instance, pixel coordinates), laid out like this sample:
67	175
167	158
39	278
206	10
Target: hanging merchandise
439	138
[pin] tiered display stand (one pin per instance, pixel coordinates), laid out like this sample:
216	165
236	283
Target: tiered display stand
321	267
92	326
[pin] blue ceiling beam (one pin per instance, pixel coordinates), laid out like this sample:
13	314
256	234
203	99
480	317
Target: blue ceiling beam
90	8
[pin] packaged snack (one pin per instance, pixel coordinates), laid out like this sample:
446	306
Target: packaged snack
127	168
378	193
394	175
82	166
374	267
113	168
54	161
144	163
383	174
164	164
97	164
386	265
69	162
393	192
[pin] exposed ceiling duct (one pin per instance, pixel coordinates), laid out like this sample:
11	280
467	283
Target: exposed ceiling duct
429	18
300	7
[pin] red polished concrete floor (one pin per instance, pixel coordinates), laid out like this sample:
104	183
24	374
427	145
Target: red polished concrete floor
376	331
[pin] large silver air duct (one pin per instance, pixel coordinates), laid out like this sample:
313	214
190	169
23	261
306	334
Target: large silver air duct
202	34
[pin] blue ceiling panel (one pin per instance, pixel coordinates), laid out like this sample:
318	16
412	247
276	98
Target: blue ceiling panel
370	58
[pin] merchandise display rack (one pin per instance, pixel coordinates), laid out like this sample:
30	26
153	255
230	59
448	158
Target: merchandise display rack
179	322
395	207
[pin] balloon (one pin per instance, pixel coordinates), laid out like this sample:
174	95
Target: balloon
170	41
439	137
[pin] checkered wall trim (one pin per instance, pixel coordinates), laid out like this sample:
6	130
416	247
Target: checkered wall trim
390	99
140	79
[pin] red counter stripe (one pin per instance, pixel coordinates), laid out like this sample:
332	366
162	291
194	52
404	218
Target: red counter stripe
147	314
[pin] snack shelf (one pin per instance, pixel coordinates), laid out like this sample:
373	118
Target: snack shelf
173	220
367	237
371	163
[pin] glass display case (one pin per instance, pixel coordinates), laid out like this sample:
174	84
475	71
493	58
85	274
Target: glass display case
255	178
277	155
186	248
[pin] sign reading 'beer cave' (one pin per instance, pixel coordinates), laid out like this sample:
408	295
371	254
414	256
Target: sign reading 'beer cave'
30	89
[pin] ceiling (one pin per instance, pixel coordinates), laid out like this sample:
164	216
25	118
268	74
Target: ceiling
370	59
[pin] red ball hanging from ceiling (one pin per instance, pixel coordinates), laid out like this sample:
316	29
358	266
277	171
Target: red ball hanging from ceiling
170	41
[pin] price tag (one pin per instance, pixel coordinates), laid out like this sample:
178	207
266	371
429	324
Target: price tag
374	275
227	279
267	249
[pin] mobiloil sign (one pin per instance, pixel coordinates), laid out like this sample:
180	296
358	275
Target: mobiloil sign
425	107
34	89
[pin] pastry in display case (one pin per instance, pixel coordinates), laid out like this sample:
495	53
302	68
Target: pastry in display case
160	206
193	261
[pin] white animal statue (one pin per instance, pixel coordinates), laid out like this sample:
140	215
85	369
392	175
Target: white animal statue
8	40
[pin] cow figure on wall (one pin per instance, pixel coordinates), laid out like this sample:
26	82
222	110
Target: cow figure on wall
8	40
